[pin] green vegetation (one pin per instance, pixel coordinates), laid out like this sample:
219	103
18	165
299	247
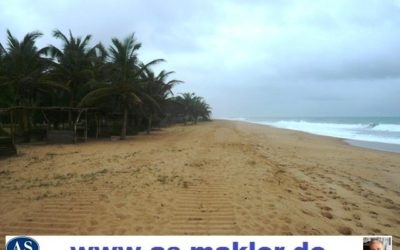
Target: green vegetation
193	107
52	87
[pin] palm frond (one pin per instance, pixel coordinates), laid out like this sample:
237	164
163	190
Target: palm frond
95	95
59	35
52	84
13	42
144	67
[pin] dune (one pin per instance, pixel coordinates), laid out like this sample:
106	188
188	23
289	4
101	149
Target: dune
214	178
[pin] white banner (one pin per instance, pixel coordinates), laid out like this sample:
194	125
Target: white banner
196	242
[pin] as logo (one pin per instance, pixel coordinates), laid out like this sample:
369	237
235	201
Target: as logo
22	243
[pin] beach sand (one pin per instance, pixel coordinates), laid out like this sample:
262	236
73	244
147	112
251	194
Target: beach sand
219	177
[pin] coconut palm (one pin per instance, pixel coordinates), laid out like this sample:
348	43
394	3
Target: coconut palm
23	68
2	55
124	82
158	88
193	107
24	76
186	100
73	65
113	80
6	94
201	109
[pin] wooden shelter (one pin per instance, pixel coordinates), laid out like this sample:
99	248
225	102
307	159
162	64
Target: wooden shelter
78	121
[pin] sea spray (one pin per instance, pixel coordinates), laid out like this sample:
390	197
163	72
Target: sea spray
370	129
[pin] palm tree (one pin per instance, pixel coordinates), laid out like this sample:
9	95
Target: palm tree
112	80
6	94
2	55
24	75
201	109
186	100
23	68
193	107
158	89
73	65
124	83
99	65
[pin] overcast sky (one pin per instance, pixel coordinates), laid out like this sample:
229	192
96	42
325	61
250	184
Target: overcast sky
247	58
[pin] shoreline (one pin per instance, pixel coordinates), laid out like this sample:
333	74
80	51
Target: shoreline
213	178
379	146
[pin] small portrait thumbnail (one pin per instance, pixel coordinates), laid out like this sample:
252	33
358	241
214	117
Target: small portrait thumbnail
377	243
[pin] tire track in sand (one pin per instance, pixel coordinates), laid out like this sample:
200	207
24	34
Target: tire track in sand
204	209
53	216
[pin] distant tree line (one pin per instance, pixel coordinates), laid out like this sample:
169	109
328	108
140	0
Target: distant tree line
123	90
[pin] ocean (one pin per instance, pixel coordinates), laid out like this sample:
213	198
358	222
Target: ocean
381	133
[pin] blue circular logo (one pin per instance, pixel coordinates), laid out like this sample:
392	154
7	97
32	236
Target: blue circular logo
22	243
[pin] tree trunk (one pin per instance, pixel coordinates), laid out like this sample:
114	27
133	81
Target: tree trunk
185	118
71	105
86	126
12	126
26	125
97	125
124	123
69	120
149	121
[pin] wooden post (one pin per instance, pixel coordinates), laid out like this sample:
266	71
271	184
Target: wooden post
86	125
47	120
12	129
97	125
150	118
124	124
76	123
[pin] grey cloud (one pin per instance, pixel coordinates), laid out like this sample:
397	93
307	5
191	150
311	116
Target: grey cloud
289	57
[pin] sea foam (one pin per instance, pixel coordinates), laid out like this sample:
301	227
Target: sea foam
367	131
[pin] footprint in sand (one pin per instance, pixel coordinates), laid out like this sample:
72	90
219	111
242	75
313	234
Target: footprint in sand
359	224
354	205
376	231
303	186
327	214
286	219
391	206
304	198
307	212
373	214
326	208
345	230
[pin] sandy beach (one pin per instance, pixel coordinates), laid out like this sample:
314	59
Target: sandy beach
219	177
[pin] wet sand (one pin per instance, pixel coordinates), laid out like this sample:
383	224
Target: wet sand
388	147
220	177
